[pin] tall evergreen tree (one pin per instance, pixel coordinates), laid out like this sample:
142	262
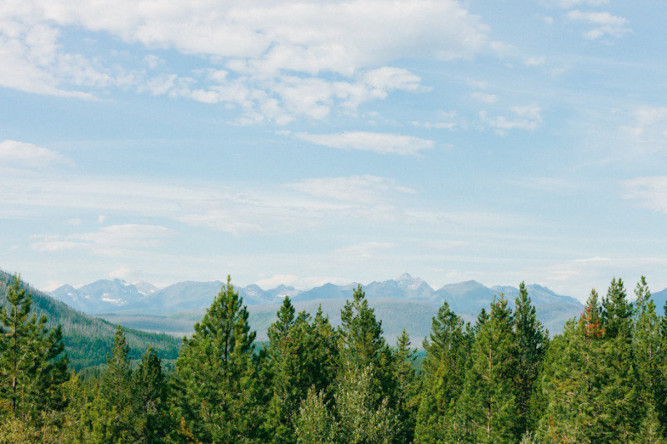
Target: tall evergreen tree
648	355
114	415
531	340
621	388
297	355
489	399
407	388
363	348
572	380
444	367
152	422
220	395
33	370
591	386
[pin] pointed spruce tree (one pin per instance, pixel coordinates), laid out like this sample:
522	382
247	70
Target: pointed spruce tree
531	341
488	402
219	394
363	347
407	387
444	367
152	422
621	390
33	370
114	415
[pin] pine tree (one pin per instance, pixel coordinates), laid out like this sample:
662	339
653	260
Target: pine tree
363	348
150	392
590	384
315	423
407	388
296	367
621	388
648	354
114	416
444	366
220	396
33	370
362	419
324	350
531	340
488	402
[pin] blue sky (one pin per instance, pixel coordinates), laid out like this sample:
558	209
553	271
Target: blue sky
335	141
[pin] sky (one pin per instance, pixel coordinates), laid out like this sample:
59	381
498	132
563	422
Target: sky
298	143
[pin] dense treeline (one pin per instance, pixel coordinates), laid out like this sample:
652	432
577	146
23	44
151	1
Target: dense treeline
88	340
501	379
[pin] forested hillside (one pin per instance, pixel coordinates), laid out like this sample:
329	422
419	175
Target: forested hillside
87	339
499	379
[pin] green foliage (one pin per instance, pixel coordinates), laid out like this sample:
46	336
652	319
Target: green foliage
604	379
88	340
362	346
33	370
488	404
444	368
531	341
407	388
299	356
220	396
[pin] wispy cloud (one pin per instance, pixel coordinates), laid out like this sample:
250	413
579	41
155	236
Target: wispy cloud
648	129
277	59
571	3
604	23
110	240
22	154
443	120
535	61
380	143
523	117
651	192
362	189
484	97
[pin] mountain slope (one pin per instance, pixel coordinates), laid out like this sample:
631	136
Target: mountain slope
88	339
660	299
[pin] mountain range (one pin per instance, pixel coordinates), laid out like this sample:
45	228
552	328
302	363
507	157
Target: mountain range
402	302
87	338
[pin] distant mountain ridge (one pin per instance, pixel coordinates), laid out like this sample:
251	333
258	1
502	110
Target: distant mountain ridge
88	339
185	299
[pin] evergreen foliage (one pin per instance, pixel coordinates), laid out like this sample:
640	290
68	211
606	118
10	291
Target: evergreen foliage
33	370
220	397
531	341
501	380
488	404
444	368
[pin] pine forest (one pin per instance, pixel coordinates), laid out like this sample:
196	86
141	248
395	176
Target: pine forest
500	379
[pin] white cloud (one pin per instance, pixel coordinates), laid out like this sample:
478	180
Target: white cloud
571	3
277	280
387	79
278	56
648	130
21	154
112	239
121	273
366	141
484	97
604	23
524	117
651	192
364	250
444	120
358	189
535	61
